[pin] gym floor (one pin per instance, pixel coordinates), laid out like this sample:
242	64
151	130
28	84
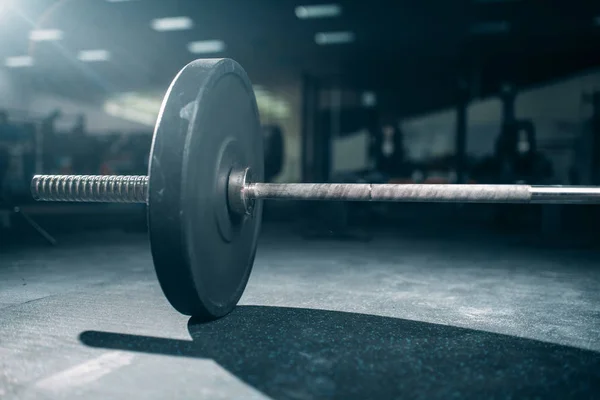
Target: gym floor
419	314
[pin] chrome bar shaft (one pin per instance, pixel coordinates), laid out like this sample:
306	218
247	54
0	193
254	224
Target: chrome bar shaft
565	195
425	193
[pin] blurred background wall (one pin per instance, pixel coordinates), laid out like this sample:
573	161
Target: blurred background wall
472	91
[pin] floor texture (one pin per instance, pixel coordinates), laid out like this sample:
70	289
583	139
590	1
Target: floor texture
420	315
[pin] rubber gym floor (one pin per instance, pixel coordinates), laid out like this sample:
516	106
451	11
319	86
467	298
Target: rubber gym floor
431	313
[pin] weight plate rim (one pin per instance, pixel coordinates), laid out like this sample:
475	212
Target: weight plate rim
184	294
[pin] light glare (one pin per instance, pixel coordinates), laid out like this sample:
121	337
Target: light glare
325	38
18	61
206	46
93	55
172	24
318	11
42	35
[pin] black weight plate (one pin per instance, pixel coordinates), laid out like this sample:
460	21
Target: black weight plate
208	125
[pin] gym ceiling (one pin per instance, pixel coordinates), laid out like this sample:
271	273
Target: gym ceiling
412	53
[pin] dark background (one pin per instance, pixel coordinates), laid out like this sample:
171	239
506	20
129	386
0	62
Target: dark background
462	86
346	300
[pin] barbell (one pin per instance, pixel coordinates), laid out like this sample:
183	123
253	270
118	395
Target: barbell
204	189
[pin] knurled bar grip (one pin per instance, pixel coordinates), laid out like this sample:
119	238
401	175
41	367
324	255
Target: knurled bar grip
90	188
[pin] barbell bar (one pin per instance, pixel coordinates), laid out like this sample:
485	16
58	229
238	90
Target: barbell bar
204	189
134	189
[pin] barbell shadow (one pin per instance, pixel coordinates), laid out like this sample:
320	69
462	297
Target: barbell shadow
306	353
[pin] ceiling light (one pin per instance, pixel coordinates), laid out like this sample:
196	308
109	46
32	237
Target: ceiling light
486	28
318	11
172	24
19	61
206	46
597	20
324	38
41	35
93	55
